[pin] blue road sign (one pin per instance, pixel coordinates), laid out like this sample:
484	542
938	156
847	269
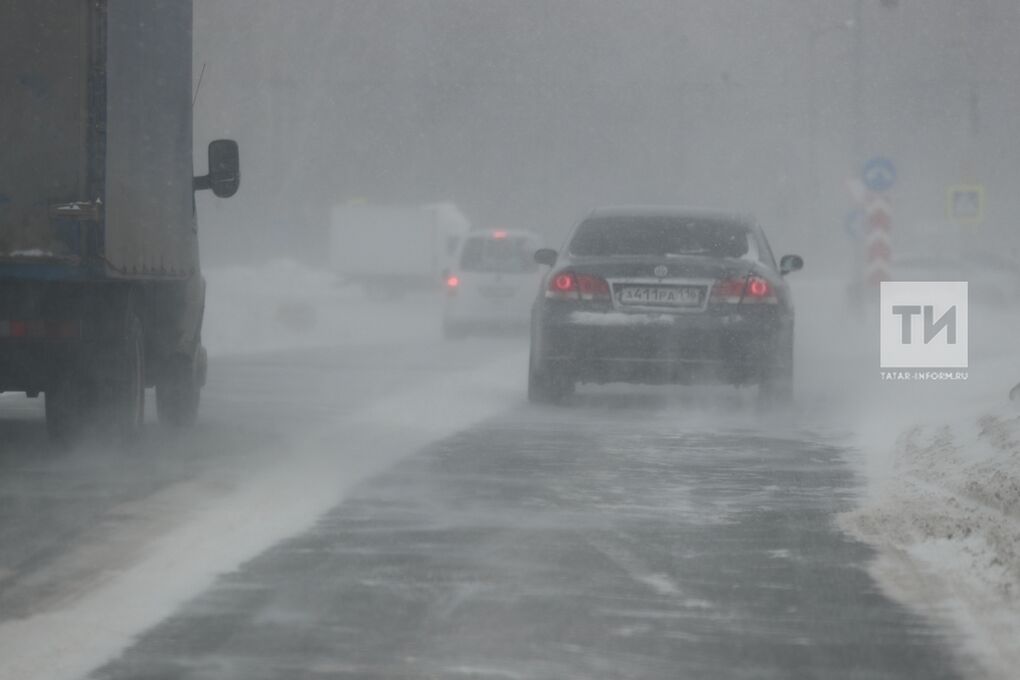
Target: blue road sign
879	174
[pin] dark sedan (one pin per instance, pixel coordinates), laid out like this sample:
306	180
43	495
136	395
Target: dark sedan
663	295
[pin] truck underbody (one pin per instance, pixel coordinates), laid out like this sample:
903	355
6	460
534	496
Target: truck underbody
93	347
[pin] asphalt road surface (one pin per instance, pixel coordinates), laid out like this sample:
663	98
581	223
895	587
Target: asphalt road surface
255	409
601	540
626	534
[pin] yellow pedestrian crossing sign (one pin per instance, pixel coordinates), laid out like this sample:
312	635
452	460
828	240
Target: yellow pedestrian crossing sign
965	204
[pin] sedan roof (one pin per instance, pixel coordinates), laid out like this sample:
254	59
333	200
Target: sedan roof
672	211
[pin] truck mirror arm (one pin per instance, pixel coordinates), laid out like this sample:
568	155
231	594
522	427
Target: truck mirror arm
201	183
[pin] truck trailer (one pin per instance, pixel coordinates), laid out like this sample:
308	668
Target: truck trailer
101	292
394	249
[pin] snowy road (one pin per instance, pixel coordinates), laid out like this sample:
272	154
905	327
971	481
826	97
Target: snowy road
256	412
393	508
585	542
97	544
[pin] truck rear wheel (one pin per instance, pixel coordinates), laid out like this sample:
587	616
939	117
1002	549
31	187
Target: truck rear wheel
179	392
127	393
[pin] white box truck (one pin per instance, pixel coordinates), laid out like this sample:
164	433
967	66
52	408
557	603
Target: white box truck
395	249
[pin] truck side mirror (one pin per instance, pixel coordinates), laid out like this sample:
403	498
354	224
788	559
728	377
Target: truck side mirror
224	169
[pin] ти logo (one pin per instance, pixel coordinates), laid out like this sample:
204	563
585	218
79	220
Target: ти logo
923	324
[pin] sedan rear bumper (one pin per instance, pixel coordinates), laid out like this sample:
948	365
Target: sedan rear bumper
601	347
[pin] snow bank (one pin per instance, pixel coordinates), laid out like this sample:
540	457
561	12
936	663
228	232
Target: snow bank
943	510
285	305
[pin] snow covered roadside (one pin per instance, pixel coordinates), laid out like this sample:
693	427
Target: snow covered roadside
943	511
282	305
940	466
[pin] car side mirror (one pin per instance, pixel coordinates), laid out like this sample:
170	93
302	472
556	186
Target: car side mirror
790	263
224	169
546	256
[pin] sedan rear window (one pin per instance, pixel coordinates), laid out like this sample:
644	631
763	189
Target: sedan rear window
661	235
504	255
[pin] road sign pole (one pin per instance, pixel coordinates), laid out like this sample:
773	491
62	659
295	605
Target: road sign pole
857	96
878	253
878	176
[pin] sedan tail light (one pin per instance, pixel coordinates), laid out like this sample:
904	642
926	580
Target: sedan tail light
563	286
760	290
750	289
593	288
728	290
568	285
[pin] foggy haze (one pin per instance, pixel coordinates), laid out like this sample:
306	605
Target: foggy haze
408	415
529	113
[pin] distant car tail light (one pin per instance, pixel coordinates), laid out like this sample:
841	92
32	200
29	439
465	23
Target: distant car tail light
572	286
753	289
499	234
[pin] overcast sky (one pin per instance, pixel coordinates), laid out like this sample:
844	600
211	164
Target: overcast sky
529	113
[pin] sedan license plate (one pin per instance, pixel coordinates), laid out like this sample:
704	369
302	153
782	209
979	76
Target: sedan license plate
661	296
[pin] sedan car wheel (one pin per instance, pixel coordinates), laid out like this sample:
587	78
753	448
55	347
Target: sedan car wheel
547	385
776	387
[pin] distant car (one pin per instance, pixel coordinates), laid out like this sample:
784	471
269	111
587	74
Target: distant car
663	295
492	282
